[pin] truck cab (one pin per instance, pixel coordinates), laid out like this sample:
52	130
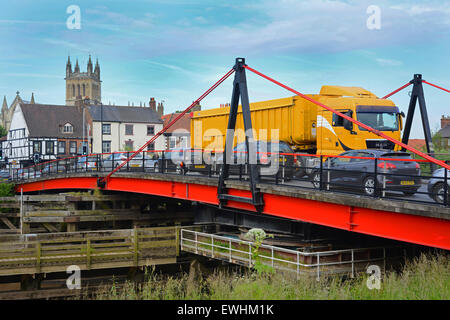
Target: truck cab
336	134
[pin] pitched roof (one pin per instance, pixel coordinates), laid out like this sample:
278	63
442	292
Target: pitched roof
417	144
124	114
183	123
445	131
45	120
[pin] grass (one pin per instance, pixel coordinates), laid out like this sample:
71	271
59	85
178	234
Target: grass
424	278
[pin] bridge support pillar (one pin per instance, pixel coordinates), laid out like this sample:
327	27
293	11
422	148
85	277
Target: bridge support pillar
71	227
31	282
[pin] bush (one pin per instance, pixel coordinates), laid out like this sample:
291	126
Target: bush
6	189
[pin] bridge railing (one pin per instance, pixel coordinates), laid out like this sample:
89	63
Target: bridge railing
390	175
299	261
54	252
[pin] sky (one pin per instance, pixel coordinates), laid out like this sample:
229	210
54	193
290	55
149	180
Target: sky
175	50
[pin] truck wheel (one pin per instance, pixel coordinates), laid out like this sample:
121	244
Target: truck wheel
438	192
369	186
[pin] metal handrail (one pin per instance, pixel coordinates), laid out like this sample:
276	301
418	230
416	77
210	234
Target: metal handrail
96	163
272	258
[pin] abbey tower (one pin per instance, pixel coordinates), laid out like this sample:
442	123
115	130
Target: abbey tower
81	85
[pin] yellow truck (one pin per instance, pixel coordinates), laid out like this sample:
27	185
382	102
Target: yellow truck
306	127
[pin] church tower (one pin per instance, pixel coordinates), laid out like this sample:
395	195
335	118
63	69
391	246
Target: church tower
82	85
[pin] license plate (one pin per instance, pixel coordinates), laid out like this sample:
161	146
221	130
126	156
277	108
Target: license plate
135	165
406	183
200	167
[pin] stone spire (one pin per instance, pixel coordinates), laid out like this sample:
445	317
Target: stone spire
32	98
5	105
97	69
89	65
77	67
68	67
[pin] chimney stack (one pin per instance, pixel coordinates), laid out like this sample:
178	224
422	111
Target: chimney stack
445	121
196	107
160	109
152	104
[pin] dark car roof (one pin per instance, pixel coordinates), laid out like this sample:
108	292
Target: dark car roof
378	152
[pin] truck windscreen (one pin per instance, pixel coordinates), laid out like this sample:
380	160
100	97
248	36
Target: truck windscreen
380	118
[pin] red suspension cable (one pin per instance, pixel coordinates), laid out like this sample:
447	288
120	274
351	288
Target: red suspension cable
436	86
395	91
377	132
171	123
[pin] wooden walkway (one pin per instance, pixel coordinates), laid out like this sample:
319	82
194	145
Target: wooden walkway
54	252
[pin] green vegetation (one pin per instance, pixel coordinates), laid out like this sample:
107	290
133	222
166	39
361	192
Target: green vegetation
427	277
6	189
3	131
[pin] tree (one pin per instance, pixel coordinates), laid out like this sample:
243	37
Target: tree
436	137
3	131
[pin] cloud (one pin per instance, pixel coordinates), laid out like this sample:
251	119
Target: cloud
31	75
388	62
291	26
67	44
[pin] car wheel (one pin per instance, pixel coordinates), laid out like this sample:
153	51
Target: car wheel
316	180
438	192
369	186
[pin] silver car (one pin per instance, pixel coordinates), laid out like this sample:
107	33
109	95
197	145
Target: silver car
115	159
436	185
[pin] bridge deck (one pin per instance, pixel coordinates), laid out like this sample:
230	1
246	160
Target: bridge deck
418	223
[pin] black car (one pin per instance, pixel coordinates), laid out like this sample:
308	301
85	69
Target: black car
357	173
272	159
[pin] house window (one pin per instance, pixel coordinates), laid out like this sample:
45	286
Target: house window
73	147
61	147
129	129
184	142
49	147
172	142
106	128
150	130
37	147
106	146
151	146
68	128
129	145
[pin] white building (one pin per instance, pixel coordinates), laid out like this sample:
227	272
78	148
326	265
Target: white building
120	128
50	131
